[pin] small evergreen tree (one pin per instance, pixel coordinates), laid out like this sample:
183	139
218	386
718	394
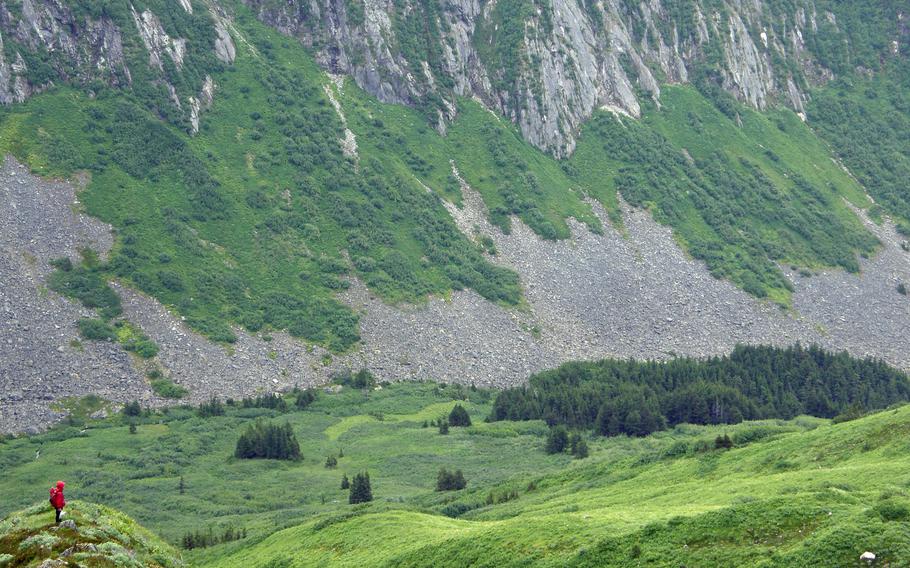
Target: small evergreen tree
557	440
345	484
361	492
723	442
443	427
580	451
181	488
132	427
211	408
331	462
305	398
132	409
459	416
450	480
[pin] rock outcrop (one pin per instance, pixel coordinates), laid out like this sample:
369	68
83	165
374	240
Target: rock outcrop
548	65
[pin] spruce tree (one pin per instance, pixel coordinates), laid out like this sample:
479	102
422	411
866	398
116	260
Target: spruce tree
443	427
345	484
361	492
557	440
459	416
331	462
581	449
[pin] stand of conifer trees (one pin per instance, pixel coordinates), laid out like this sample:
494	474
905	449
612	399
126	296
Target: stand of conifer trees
269	441
639	397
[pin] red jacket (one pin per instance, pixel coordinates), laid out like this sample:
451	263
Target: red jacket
57	499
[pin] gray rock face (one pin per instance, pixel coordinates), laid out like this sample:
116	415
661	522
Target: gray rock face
90	49
630	294
570	59
83	50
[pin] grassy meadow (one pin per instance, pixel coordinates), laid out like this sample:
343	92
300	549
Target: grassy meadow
799	492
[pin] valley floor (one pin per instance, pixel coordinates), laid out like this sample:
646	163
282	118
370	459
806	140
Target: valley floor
790	493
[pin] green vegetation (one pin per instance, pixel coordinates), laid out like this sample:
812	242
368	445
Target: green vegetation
259	220
459	416
268	441
766	498
450	480
361	491
866	121
102	537
166	388
245	223
637	398
742	199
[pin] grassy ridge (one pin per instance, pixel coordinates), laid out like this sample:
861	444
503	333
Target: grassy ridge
820	495
101	537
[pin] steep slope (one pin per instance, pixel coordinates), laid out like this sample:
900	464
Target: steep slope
548	65
817	497
251	194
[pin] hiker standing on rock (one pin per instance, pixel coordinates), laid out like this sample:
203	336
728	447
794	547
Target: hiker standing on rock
58	502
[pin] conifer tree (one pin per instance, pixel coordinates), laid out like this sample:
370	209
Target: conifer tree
557	440
361	492
443	427
345	484
580	451
459	416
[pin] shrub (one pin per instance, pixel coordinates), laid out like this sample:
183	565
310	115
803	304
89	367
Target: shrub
557	440
132	409
166	388
443	427
890	510
331	462
723	442
345	483
853	412
96	330
362	379
450	480
305	398
211	408
580	450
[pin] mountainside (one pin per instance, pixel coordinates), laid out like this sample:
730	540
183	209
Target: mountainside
499	188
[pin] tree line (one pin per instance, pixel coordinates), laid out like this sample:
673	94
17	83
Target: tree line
636	398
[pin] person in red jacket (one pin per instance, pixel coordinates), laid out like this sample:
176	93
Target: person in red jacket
58	502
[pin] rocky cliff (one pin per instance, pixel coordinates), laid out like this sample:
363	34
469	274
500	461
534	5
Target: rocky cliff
547	65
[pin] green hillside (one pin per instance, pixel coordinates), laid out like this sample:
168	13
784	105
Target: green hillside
260	219
798	494
678	496
100	537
